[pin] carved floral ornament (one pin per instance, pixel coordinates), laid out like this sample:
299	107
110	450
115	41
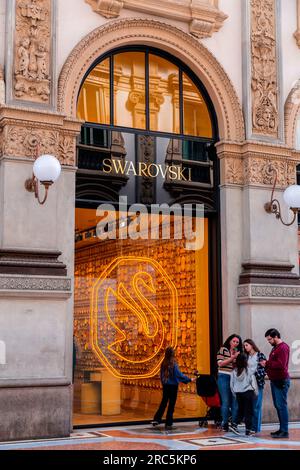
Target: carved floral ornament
32	50
20	142
23	133
203	16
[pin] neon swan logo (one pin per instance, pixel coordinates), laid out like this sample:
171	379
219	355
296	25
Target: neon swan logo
147	314
124	316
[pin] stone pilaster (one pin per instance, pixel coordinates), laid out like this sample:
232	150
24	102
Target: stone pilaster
36	275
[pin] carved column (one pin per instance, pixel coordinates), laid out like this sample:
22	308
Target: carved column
30	64
262	71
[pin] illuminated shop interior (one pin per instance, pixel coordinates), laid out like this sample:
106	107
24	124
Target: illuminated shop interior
135	297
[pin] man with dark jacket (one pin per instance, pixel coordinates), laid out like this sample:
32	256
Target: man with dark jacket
277	370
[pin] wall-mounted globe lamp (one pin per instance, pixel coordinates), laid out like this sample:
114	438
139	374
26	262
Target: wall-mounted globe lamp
46	170
291	197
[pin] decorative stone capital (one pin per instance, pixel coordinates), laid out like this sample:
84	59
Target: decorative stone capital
248	164
204	16
24	131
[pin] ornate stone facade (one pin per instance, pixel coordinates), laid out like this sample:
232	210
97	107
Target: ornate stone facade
25	132
204	17
32	51
249	164
264	80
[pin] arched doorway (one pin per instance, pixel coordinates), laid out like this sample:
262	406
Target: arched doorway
148	140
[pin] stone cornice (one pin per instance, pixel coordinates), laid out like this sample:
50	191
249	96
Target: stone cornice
204	17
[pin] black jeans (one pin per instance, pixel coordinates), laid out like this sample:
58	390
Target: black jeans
169	395
246	407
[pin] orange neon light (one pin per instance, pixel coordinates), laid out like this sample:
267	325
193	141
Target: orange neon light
150	320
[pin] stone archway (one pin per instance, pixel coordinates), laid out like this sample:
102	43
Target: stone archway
160	35
291	115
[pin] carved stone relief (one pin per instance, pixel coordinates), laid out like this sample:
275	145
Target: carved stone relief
250	165
23	134
297	33
204	16
32	51
264	292
264	80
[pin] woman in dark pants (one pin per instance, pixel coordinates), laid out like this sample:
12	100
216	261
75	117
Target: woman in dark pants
226	358
170	376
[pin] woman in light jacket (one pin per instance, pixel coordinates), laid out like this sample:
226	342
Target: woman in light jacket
243	385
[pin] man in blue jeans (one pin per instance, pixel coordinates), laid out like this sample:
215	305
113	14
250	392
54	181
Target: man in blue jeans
277	370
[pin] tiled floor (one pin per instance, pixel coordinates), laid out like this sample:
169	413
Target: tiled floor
186	436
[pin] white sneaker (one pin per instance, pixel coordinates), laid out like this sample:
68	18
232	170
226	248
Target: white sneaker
233	428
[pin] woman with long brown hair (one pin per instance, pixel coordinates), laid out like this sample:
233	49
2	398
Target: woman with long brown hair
244	386
170	376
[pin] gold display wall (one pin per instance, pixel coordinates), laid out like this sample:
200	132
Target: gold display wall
132	300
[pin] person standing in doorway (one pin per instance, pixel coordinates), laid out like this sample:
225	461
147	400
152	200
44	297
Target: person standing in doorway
226	359
170	376
254	358
277	370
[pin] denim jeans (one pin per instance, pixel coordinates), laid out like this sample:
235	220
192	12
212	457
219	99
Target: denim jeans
257	410
279	395
228	401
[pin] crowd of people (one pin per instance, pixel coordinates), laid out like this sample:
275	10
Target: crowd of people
242	369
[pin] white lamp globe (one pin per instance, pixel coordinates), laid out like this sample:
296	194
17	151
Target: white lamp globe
291	196
47	168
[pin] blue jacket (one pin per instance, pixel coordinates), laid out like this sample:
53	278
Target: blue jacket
175	377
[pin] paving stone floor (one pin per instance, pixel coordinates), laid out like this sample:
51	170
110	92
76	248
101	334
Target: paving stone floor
185	436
